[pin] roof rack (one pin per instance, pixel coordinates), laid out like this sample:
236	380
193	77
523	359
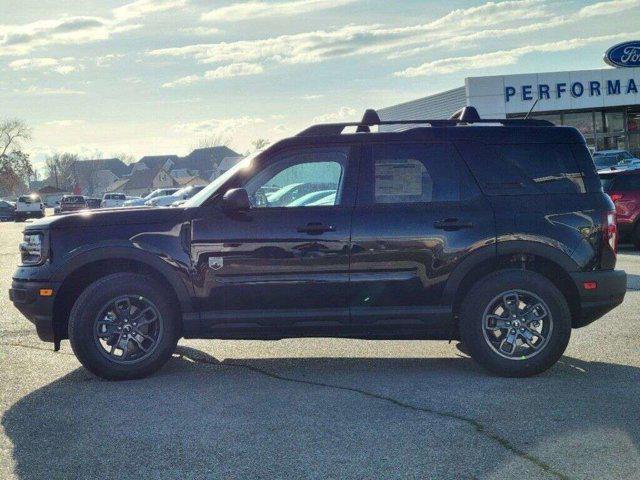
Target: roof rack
464	116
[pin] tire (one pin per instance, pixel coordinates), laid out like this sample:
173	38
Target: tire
484	341
86	320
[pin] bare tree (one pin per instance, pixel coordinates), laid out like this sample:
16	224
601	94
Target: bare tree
126	158
60	168
13	133
219	139
260	143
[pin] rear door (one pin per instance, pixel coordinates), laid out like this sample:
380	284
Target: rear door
418	214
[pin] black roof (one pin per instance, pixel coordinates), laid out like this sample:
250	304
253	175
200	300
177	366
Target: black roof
204	159
465	125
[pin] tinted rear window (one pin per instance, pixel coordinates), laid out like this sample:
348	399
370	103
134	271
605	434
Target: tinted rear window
547	168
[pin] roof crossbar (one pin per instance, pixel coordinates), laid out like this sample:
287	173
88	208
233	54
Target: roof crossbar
464	116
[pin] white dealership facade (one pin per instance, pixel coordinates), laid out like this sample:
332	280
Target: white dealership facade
603	104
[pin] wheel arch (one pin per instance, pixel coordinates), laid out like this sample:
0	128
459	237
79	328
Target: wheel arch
83	269
550	262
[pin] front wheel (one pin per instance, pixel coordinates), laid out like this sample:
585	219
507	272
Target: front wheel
515	323
123	327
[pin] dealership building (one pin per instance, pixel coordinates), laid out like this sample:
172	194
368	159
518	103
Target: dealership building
603	104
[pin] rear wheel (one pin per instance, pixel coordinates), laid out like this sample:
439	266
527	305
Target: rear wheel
122	327
515	323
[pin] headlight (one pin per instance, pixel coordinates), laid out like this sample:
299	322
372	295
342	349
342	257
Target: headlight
31	249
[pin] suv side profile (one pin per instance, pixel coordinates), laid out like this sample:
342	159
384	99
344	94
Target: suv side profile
493	232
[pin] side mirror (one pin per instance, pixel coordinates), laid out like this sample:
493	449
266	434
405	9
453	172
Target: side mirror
235	200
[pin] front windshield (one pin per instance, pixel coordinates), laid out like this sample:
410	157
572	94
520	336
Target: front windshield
200	197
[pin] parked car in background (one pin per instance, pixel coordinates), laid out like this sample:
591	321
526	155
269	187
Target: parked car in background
29	206
93	202
7	211
110	200
309	198
160	192
293	191
624	189
71	203
184	193
498	235
615	160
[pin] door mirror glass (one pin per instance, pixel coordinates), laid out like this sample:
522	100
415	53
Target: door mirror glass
236	200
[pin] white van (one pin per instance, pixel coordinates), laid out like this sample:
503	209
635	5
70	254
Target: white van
29	206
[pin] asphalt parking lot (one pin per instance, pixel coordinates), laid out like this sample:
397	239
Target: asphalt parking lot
322	408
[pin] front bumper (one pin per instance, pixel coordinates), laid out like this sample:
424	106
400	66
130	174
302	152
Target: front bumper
594	303
38	309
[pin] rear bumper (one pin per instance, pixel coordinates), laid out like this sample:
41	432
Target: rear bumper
594	303
37	309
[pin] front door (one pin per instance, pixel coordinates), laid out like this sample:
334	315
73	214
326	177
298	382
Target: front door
418	214
284	263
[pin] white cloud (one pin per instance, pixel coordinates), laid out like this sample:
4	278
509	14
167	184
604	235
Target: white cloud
22	39
106	60
33	63
320	45
140	8
227	71
259	9
200	30
34	90
607	8
64	123
344	114
62	66
225	127
501	57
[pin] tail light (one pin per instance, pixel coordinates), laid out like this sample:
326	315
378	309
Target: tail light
615	197
610	230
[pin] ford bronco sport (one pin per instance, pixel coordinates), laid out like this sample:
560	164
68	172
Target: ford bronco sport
493	232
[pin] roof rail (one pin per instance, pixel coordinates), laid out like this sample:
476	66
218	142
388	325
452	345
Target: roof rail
464	116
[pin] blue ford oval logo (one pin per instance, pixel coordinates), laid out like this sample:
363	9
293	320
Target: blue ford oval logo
626	54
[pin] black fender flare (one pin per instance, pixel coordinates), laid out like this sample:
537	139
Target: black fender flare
491	252
120	250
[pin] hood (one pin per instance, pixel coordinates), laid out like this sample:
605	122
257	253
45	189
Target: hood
109	216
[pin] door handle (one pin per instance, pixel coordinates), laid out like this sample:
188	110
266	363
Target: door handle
451	224
316	228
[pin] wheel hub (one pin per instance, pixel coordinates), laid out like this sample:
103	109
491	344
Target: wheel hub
128	329
517	324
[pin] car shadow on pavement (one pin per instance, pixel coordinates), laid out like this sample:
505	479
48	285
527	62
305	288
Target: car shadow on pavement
322	418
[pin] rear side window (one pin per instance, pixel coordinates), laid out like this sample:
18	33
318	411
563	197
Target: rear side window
406	173
547	168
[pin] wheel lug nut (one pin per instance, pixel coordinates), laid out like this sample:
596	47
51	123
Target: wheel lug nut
508	324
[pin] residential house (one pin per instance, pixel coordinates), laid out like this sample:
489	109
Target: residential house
142	182
225	164
92	177
155	161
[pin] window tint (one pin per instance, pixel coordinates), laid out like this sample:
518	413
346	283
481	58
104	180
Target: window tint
606	181
626	182
307	178
414	173
547	168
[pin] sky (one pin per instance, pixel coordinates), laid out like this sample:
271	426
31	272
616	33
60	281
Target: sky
153	77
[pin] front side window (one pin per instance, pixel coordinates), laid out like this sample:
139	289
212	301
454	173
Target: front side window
304	178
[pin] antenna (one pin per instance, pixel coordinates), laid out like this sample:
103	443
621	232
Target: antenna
526	117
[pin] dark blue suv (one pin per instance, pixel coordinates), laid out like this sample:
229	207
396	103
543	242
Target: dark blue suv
493	232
